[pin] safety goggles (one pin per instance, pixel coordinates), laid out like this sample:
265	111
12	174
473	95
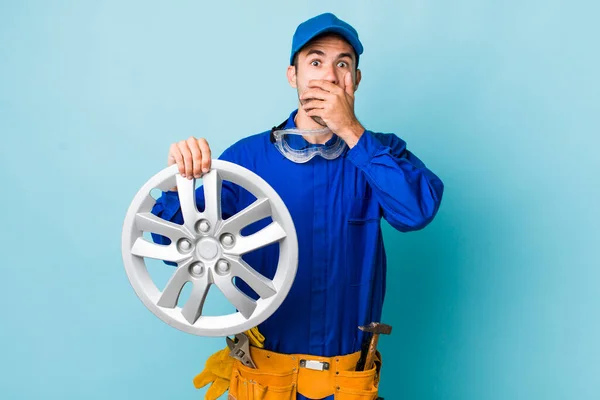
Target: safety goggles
292	144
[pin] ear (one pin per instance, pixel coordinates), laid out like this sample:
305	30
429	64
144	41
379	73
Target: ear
291	76
358	78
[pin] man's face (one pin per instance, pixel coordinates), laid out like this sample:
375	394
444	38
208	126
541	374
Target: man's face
328	58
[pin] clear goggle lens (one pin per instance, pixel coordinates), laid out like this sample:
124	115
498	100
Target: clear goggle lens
292	144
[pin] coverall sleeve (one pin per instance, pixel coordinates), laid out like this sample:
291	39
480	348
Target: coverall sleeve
167	206
409	194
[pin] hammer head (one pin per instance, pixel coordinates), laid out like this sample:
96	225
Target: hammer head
377	328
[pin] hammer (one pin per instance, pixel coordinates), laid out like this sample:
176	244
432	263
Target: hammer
376	328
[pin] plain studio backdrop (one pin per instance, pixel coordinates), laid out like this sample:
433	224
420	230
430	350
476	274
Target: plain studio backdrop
497	299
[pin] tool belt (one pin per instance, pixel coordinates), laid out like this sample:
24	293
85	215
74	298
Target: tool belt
280	376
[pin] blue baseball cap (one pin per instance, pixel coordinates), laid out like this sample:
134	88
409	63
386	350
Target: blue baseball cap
324	23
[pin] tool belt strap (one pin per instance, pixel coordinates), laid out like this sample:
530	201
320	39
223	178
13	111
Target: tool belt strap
278	376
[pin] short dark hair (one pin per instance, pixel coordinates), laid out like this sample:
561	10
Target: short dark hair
322	35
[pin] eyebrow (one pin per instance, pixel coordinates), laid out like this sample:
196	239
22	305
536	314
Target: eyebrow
320	53
315	51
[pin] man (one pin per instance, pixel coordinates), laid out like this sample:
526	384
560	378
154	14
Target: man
338	180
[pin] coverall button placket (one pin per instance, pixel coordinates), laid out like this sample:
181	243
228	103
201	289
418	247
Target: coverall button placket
320	259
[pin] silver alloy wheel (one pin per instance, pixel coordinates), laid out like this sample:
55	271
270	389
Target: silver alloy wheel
208	250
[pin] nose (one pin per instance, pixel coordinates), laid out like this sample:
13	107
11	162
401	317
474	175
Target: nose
330	74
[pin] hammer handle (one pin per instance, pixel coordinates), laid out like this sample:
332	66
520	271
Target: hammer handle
371	352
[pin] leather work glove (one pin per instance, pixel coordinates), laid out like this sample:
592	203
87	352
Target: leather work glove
255	337
219	367
217	371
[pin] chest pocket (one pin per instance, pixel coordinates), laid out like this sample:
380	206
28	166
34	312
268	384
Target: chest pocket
362	210
362	232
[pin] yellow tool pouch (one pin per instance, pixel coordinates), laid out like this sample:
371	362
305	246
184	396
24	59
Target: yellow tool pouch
280	376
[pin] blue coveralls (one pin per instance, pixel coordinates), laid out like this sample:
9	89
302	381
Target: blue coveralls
336	206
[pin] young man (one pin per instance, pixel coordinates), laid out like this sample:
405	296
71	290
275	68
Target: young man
337	184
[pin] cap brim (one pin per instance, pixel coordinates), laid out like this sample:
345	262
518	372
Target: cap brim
345	33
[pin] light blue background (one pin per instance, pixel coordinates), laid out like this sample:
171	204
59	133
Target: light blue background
497	299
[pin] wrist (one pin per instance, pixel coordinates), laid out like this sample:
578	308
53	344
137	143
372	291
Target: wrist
352	134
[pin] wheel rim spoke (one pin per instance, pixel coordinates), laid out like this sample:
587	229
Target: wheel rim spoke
172	291
148	222
193	306
256	211
270	234
244	304
259	283
144	248
187	200
212	184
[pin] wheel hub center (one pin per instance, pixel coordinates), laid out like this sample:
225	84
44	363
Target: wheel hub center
208	249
